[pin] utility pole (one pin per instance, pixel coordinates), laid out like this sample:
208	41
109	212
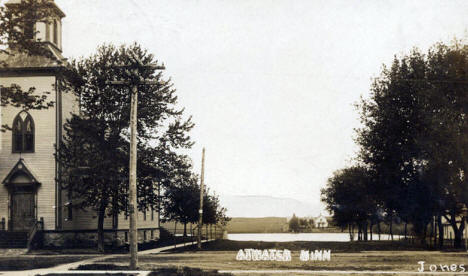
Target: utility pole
132	72
200	211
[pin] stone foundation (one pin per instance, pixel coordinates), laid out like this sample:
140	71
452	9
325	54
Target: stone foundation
88	238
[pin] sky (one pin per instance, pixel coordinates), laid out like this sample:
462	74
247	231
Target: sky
271	84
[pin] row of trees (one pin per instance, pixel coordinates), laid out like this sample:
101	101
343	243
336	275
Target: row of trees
94	154
181	203
412	162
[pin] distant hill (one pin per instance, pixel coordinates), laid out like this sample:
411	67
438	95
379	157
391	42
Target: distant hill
267	206
256	225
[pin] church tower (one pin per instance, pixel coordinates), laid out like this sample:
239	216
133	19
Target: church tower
46	30
29	190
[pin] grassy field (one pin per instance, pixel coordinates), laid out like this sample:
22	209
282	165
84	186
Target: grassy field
358	257
220	255
406	261
256	225
228	245
26	262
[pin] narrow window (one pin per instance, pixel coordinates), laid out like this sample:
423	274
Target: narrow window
18	134
69	206
55	32
28	135
29	29
126	209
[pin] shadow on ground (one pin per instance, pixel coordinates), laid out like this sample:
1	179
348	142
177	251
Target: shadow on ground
170	271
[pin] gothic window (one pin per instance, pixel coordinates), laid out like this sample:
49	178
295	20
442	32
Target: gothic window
23	133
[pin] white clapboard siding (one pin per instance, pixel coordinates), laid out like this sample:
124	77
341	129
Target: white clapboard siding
42	161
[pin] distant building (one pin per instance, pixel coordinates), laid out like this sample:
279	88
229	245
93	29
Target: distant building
320	222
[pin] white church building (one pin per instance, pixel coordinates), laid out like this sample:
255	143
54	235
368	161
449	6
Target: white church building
32	203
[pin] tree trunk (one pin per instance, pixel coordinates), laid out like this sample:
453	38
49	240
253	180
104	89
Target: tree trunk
391	228
351	238
458	231
378	229
423	239
441	231
100	227
370	229
185	229
175	231
365	231
406	229
191	232
359	233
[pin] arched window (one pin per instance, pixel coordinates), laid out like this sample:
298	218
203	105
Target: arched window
23	133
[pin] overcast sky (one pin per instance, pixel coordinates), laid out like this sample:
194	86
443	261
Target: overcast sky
270	84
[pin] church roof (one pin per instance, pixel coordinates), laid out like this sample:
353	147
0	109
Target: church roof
19	60
57	9
13	2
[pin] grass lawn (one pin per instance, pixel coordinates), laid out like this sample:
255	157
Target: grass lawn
370	256
26	262
220	255
228	245
161	271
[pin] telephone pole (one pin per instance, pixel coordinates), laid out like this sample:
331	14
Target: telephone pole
134	81
200	211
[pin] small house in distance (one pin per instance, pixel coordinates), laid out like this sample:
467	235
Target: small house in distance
320	221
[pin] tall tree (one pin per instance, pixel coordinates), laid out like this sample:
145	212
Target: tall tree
294	224
414	136
96	146
181	201
446	109
350	198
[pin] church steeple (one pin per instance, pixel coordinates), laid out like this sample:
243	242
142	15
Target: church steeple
47	30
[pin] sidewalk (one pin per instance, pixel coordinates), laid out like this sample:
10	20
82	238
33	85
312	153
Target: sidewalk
65	268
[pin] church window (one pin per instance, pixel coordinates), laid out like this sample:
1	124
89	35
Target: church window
55	32
23	133
69	205
29	29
